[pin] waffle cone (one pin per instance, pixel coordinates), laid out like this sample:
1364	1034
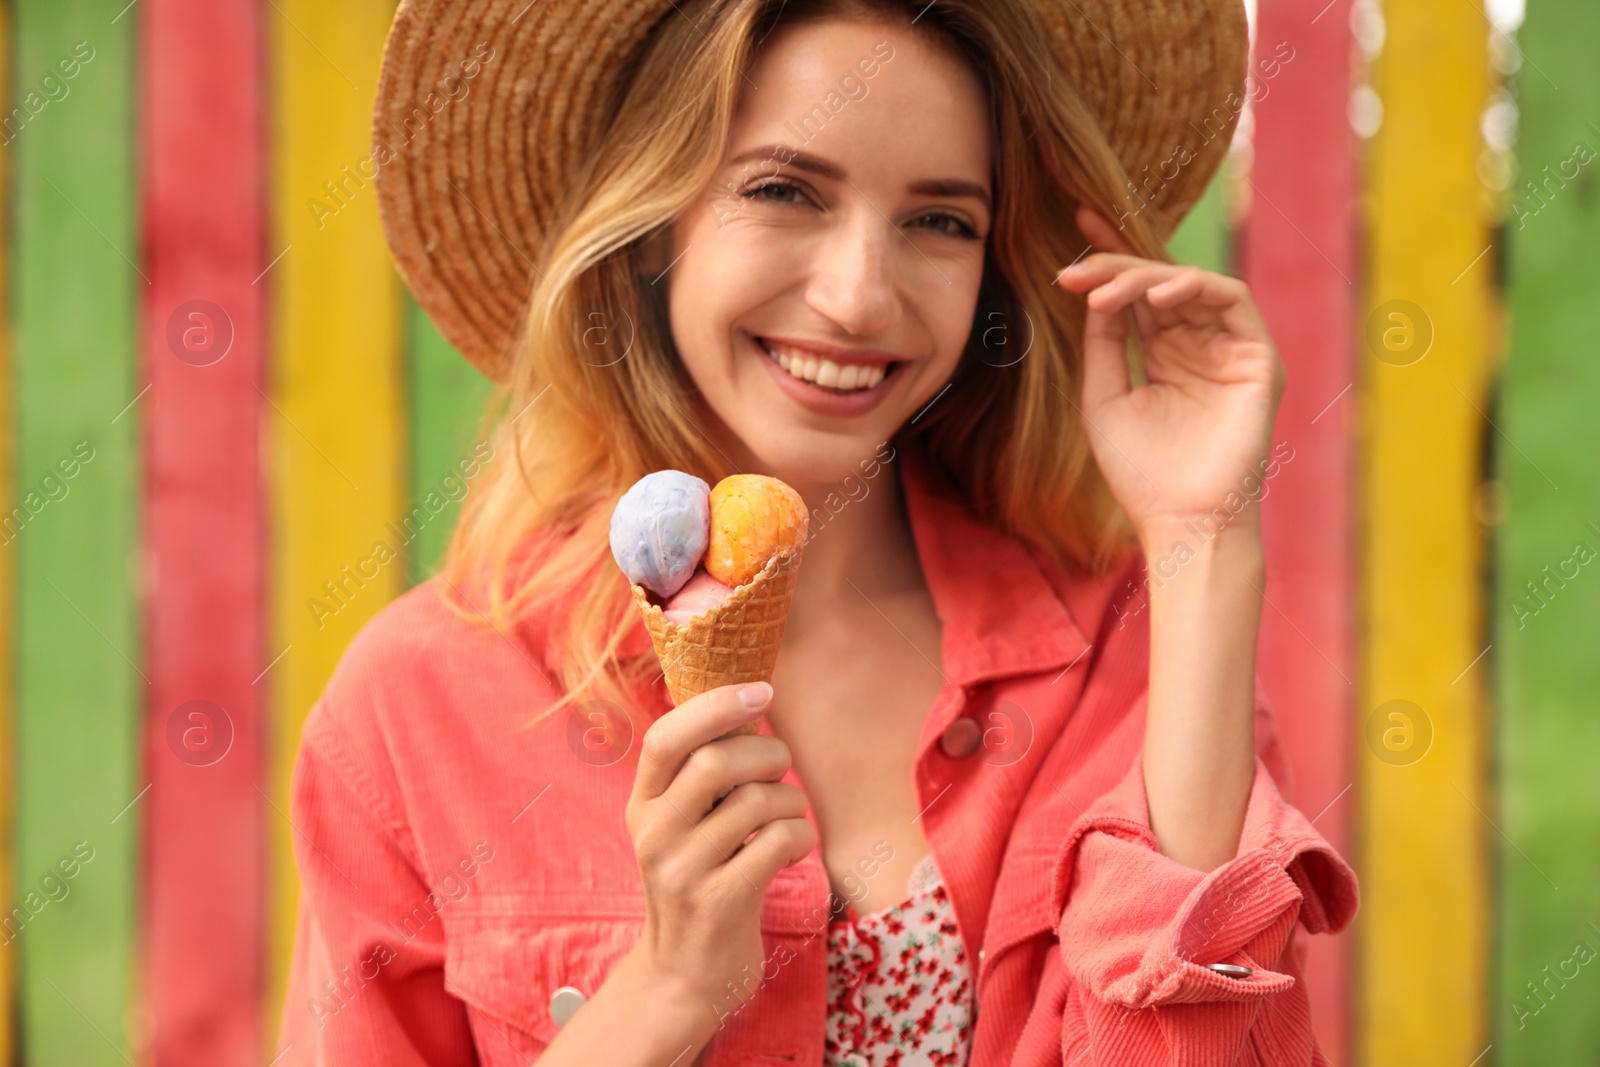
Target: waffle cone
736	641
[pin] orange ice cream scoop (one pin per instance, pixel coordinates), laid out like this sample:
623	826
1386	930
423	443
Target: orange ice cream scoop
753	518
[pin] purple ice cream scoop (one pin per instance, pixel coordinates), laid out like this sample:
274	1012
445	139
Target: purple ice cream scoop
660	529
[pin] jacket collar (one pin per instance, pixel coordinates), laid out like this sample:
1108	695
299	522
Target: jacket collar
1002	610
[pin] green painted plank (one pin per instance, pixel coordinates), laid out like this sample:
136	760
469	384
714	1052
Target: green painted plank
1204	237
8	598
448	397
79	686
1548	633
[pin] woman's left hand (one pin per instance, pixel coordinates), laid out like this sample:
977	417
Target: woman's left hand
1174	449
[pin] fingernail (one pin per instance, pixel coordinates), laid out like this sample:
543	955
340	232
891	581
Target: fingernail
755	694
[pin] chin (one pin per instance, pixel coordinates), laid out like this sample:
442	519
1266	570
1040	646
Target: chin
817	463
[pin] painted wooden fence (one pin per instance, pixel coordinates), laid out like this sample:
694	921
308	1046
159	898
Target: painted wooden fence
218	400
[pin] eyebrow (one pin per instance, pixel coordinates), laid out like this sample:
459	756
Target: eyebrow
817	165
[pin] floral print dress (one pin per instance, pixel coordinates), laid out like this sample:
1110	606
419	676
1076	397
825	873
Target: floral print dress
899	987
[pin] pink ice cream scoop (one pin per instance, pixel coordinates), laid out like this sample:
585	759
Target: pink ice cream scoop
699	594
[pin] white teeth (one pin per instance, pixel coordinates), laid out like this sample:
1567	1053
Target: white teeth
825	372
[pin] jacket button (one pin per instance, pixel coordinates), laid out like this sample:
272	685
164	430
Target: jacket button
961	738
564	1004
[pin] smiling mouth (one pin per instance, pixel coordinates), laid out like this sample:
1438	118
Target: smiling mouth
842	378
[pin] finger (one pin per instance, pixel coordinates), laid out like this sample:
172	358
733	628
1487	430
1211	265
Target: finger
1097	269
747	809
1105	358
1130	285
716	769
1100	233
1175	300
700	719
1202	286
775	846
1207	299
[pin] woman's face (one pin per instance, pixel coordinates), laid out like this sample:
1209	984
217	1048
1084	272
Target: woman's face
844	234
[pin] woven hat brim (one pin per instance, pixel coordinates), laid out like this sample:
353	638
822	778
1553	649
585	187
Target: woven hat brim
486	108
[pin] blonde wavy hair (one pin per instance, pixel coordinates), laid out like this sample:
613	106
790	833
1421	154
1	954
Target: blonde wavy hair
584	425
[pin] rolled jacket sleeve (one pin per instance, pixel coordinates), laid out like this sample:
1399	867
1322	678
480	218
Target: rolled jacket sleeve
366	984
1137	930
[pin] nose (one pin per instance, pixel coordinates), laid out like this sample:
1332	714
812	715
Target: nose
855	278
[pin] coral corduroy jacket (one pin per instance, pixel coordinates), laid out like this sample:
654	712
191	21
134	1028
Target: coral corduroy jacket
457	871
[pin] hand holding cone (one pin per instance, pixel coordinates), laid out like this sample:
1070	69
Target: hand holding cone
719	624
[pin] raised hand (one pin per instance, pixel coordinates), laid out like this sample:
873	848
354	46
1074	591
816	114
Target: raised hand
1173	449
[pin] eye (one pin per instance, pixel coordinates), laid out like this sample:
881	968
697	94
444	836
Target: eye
779	189
758	192
962	229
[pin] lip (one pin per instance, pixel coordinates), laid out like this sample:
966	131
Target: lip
842	356
820	400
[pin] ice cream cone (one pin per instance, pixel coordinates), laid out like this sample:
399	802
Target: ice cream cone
735	641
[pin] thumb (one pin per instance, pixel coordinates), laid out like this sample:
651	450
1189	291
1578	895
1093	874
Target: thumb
1105	358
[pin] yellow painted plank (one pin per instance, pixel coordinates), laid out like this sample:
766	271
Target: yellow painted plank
336	415
1423	802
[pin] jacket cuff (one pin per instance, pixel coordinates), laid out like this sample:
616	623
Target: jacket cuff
1137	928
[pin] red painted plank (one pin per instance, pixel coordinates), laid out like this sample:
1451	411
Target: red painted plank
1297	252
202	115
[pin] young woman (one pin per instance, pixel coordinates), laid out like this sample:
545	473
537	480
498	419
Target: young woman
1015	796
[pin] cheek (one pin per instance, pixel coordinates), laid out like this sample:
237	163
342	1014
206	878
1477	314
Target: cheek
721	282
702	304
952	324
693	297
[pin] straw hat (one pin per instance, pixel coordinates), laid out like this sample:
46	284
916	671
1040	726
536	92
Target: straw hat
485	108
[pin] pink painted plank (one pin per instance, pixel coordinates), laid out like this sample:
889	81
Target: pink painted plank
201	104
1297	252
